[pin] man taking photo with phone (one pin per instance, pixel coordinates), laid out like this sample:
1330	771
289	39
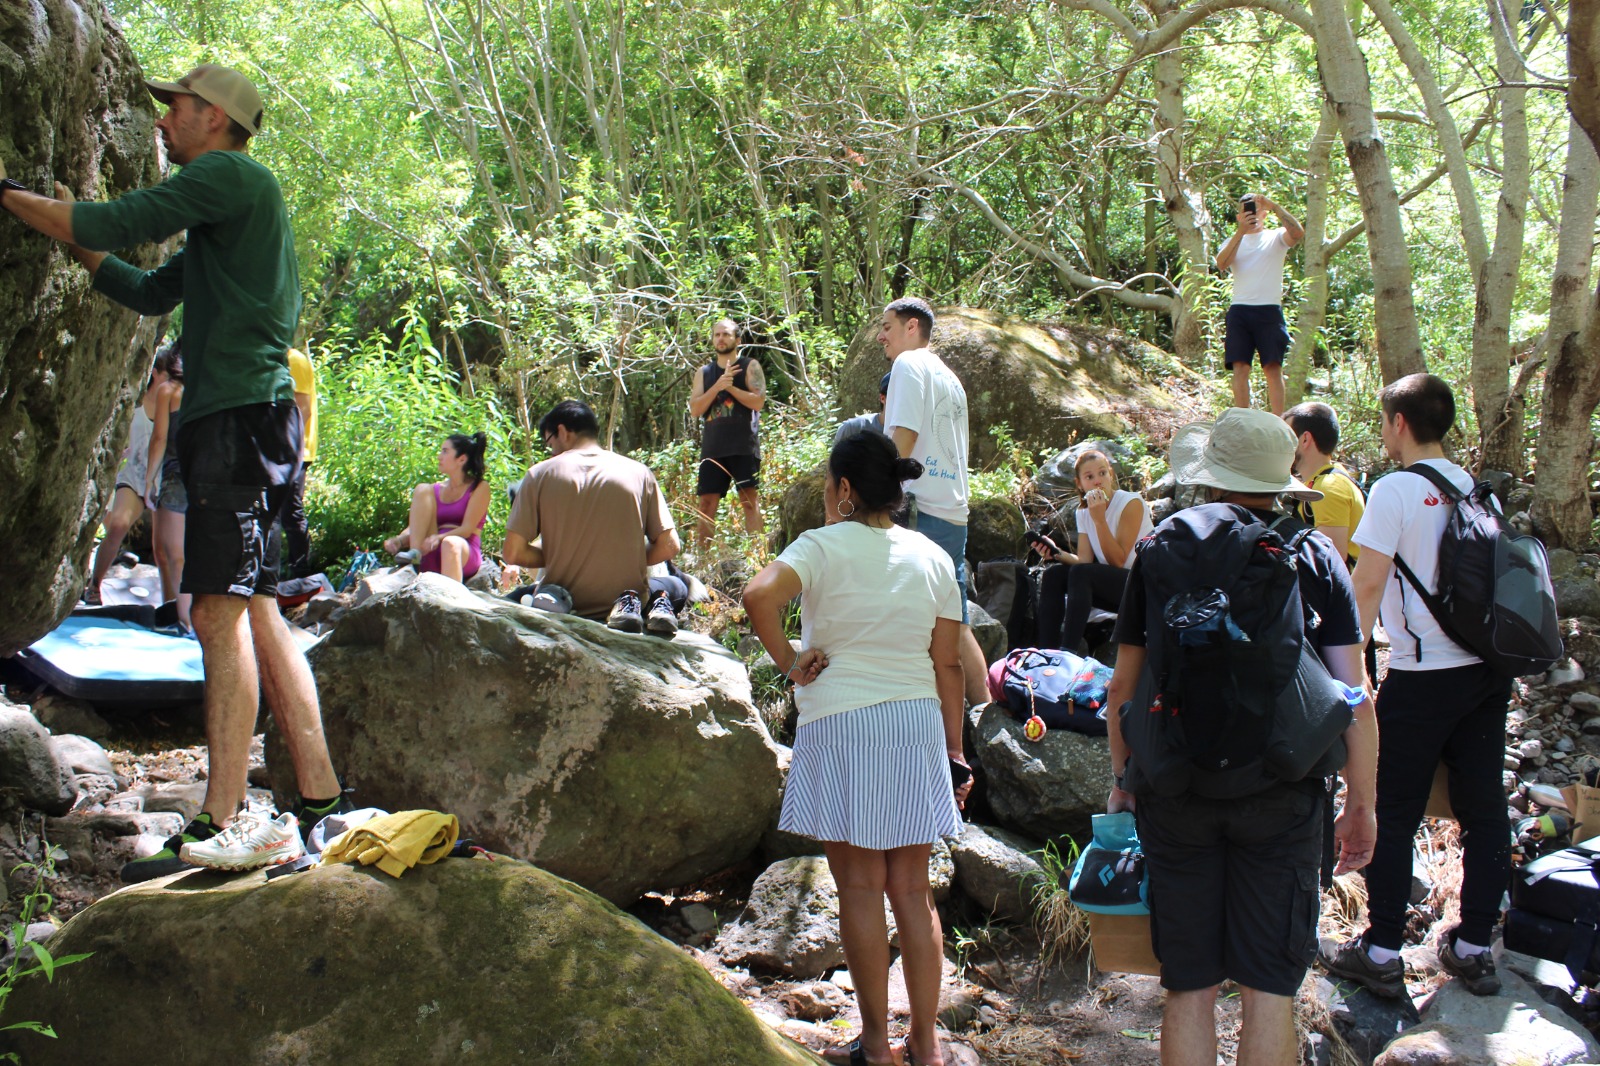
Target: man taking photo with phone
1255	255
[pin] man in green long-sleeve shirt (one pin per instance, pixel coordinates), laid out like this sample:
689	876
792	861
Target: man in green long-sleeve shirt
238	444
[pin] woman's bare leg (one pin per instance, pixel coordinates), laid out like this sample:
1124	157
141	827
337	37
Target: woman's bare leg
120	517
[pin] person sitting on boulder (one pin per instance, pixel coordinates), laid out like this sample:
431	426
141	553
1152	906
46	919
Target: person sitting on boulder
880	700
127	499
596	522
442	537
1110	522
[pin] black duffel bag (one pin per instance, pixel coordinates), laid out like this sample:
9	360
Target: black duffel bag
1555	910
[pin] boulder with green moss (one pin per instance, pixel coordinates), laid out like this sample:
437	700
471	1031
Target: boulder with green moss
622	762
1051	383
463	961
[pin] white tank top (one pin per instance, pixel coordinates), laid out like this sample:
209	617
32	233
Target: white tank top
1119	502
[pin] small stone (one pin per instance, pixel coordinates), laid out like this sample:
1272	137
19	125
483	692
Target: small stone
1565	744
1512	761
1592	725
815	1001
699	917
1531	749
1564	672
1585	702
843	979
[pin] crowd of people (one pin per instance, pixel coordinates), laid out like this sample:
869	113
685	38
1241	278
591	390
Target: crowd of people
886	661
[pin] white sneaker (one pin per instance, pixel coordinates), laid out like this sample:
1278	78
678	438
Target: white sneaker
252	841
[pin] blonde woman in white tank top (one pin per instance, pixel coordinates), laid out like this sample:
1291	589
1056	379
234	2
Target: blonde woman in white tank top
1110	523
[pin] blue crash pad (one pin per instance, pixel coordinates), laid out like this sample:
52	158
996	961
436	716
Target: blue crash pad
94	657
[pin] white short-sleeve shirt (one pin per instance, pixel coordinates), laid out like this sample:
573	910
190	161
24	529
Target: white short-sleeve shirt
926	397
1258	267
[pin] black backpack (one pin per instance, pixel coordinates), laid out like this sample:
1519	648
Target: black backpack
1494	598
1232	698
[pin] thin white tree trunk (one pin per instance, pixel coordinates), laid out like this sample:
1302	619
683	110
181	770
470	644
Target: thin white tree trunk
1184	207
1314	295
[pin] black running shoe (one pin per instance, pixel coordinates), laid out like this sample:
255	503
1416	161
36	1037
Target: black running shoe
167	861
627	615
661	620
1475	971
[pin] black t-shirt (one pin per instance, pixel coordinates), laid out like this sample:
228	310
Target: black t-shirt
1324	587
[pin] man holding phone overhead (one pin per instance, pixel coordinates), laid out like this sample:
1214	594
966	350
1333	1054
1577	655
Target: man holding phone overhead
1255	255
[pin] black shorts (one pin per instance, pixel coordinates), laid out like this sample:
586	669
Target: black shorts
1234	887
1255	328
716	475
238	464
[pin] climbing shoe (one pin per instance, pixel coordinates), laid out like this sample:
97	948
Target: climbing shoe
308	816
251	841
169	859
627	614
1350	960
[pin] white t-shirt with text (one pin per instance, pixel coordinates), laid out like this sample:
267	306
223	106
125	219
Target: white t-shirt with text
868	601
926	397
1406	516
1258	267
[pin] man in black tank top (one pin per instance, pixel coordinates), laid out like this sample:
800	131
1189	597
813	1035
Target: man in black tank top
727	397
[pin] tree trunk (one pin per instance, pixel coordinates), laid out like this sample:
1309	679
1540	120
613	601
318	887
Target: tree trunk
1183	204
1345	81
1562	514
1314	297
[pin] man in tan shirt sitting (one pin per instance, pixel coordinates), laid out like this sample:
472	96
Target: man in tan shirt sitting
600	522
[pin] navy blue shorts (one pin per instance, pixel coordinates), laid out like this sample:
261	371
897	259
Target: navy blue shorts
718	474
1255	328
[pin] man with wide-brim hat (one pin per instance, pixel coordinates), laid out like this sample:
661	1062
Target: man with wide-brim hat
238	443
1234	880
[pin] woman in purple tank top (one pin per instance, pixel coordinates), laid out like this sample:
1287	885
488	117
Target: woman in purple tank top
447	515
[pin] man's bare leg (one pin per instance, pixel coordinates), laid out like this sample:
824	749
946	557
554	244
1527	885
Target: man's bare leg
750	500
292	697
1241	384
1189	1029
222	625
1267	1036
1273	372
707	519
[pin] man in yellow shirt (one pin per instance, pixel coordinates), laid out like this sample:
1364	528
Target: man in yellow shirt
297	550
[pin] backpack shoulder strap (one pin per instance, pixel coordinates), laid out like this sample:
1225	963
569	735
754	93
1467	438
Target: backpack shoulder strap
1442	483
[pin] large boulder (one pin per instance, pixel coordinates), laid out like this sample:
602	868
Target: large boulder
71	361
1051	383
1514	1028
1041	789
462	961
997	871
1577	593
621	762
31	774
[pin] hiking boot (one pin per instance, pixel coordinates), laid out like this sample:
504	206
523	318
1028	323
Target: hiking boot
1474	971
1351	961
626	614
252	841
168	860
661	620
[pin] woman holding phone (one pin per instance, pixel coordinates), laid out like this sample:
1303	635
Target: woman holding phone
878	746
1110	522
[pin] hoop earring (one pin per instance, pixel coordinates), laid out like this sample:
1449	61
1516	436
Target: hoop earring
842	512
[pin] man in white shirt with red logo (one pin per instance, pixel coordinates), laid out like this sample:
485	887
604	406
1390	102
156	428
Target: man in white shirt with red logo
1255	255
1439	703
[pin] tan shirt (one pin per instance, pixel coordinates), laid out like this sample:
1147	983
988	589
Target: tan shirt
597	512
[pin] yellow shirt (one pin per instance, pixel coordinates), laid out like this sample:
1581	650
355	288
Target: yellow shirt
1342	503
305	381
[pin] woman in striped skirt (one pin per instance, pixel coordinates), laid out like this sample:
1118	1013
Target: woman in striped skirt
880	698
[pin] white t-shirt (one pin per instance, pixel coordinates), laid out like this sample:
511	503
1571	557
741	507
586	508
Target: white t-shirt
868	602
926	397
1119	502
1258	267
1406	516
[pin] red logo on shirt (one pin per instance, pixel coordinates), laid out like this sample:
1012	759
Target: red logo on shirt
1431	500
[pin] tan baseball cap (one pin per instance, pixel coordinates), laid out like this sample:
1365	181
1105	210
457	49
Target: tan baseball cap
222	86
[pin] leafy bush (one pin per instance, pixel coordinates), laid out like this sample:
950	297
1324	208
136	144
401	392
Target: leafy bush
385	409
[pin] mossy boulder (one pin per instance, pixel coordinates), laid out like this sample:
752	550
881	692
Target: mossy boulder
1051	383
462	961
622	762
71	361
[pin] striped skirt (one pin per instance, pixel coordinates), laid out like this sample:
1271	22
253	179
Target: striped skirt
876	777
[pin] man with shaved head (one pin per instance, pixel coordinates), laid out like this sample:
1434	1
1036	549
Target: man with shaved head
728	395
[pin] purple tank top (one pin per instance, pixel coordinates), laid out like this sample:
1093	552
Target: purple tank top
451	514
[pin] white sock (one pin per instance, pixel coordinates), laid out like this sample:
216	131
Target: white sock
1465	950
1381	955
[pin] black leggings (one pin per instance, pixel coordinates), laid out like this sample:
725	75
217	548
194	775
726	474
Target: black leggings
1458	717
1066	593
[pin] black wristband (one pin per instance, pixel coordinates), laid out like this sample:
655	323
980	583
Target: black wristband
11	183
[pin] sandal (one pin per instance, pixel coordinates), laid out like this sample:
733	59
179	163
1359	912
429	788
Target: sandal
857	1056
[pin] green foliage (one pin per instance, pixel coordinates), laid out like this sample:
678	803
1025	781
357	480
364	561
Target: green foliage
385	409
29	958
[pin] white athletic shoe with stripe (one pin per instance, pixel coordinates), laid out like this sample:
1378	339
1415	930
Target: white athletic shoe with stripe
252	841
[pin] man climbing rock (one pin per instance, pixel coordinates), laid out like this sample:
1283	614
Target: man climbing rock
238	444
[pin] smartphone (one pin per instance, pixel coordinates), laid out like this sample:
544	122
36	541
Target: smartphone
1249	204
959	775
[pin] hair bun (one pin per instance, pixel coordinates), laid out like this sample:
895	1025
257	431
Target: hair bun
907	469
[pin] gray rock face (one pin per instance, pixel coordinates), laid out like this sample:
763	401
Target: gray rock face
994	530
791	924
71	361
1046	788
1514	1028
1052	384
995	871
467	960
30	773
621	762
991	634
83	755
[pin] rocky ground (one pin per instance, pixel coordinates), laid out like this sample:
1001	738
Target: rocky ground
1011	995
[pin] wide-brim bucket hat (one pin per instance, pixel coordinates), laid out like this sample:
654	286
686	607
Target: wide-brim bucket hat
1244	451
